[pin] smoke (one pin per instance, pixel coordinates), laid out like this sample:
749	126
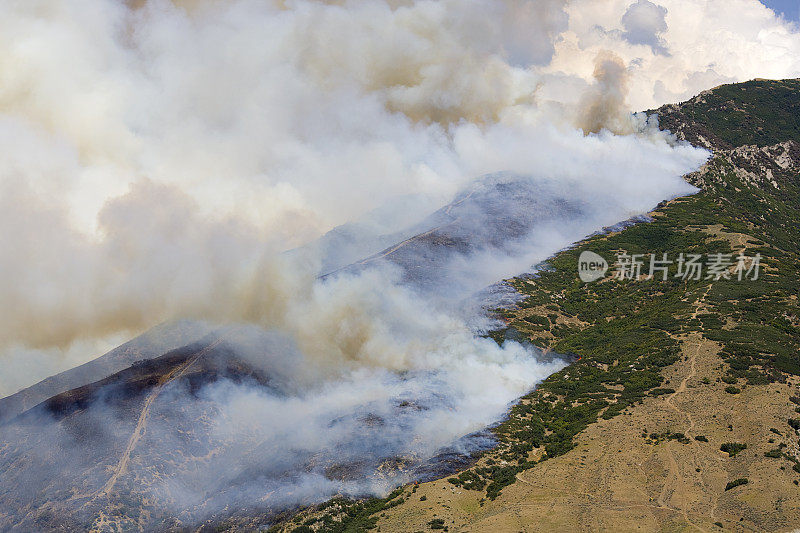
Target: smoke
160	158
604	107
361	434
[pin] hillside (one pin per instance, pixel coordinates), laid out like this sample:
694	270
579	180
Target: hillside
682	411
87	458
679	412
153	343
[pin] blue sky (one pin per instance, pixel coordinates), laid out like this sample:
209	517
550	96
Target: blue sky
789	8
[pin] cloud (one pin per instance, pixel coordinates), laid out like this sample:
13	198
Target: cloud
644	22
709	42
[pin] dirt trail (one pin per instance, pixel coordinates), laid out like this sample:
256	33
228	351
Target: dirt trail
141	424
675	479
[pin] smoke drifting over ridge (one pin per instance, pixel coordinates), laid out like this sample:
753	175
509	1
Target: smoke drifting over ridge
159	157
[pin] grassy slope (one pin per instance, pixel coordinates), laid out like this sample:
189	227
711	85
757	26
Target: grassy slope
757	112
633	336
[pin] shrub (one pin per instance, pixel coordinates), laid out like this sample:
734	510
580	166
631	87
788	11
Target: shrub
737	482
732	390
436	523
701	438
733	448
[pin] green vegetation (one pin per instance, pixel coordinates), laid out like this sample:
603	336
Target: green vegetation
733	448
468	480
351	516
757	112
437	523
657	438
736	483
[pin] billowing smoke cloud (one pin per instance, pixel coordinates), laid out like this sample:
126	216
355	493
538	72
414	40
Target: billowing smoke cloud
604	106
160	157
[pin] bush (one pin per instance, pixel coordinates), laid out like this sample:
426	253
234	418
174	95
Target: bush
737	482
732	390
733	448
436	523
701	438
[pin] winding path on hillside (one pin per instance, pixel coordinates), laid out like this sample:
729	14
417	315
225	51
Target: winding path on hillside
674	479
141	424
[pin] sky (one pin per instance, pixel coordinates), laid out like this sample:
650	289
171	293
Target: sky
788	8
